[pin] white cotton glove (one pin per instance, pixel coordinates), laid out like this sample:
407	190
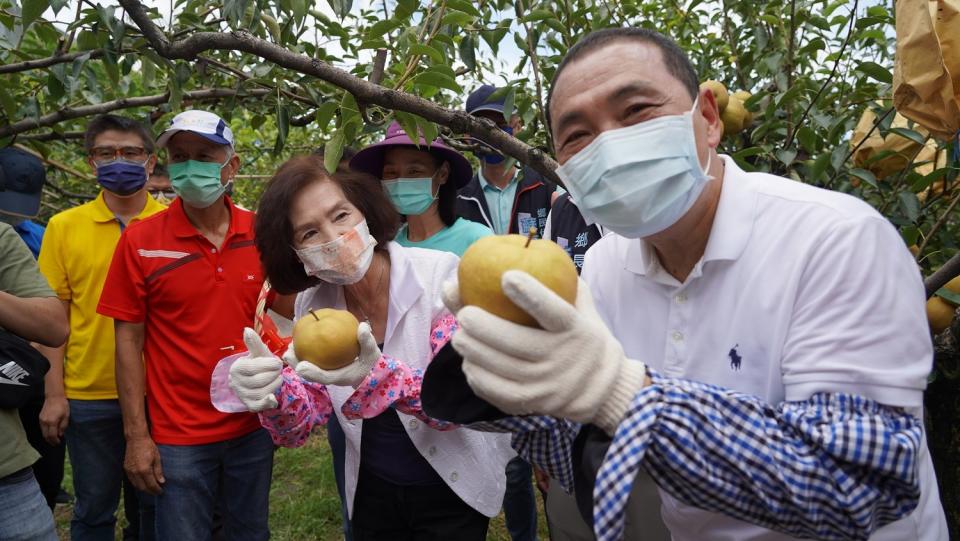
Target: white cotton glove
349	376
571	368
256	377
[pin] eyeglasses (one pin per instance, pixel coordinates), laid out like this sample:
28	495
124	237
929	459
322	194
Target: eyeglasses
104	154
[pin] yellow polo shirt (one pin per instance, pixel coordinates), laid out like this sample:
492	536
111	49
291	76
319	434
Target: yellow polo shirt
75	257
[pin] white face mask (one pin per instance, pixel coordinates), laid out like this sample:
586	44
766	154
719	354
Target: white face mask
638	180
341	261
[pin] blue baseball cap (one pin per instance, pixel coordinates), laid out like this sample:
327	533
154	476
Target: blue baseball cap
203	123
22	177
479	100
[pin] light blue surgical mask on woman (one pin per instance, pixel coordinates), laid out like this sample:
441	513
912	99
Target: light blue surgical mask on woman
410	196
638	180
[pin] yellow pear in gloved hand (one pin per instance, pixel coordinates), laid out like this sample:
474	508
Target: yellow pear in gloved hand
719	93
327	338
484	263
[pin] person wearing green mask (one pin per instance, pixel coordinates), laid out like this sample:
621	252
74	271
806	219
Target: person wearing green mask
422	182
181	288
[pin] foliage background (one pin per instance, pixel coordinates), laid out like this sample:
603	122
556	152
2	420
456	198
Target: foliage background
812	66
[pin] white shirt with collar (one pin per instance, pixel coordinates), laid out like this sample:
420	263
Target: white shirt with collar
471	463
799	290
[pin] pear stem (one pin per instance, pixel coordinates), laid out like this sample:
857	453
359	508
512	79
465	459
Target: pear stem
530	234
314	315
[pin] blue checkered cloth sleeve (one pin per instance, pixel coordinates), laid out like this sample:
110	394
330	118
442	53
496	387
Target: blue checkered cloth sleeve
836	466
544	441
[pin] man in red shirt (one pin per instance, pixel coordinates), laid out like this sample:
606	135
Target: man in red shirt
182	286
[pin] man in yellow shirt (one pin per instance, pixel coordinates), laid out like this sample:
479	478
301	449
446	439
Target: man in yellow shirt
81	403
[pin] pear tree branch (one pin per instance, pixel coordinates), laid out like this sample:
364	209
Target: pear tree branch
40	63
123	103
458	121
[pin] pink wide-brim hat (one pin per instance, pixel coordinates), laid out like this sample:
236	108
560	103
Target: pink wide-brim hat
370	159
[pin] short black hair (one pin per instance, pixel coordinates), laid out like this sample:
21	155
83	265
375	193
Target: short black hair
108	122
674	58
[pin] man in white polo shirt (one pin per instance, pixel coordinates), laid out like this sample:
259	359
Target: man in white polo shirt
782	329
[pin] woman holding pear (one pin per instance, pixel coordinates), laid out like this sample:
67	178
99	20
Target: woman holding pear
407	476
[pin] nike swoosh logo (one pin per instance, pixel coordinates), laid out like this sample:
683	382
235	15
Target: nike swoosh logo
8	381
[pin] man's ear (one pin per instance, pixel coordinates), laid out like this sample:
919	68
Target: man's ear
711	116
151	163
516	123
234	166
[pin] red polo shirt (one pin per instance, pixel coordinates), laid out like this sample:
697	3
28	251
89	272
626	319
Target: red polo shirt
194	299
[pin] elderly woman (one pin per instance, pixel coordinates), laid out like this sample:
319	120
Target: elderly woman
422	182
407	476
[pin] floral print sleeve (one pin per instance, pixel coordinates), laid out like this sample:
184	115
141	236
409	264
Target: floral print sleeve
392	383
303	405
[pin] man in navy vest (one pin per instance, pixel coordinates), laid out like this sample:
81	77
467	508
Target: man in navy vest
506	197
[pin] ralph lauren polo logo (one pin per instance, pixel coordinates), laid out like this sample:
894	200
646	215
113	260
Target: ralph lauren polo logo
735	358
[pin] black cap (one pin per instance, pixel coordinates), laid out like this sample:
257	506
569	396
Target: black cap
21	182
480	100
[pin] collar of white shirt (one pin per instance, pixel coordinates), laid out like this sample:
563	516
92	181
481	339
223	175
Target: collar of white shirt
729	234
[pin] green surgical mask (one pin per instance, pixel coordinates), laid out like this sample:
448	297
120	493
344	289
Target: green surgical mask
410	196
197	183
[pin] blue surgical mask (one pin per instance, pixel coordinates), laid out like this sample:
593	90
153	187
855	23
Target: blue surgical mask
410	196
122	177
638	180
495	158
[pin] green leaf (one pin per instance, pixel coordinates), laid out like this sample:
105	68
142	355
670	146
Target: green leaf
428	129
233	10
748	152
864	175
333	151
468	52
508	103
325	113
57	5
382	28
55	87
538	15
457	18
819	167
494	36
876	71
910	205
409	124
428	50
149	70
910	234
283	127
949	296
912	135
464	6
437	79
32	10
8	104
807	138
786	155
341	8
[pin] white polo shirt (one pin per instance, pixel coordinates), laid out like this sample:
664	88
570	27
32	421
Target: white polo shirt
799	290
